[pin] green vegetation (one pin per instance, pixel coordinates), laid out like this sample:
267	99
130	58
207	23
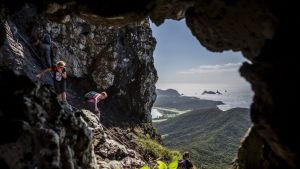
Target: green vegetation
162	165
210	135
156	150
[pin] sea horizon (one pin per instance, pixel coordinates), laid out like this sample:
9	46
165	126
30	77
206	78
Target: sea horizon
240	95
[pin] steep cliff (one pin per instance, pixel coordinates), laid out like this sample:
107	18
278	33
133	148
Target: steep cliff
115	59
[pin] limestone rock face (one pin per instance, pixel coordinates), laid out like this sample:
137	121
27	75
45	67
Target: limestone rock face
109	150
224	25
115	59
36	132
39	133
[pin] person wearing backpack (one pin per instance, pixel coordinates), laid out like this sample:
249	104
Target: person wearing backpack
59	78
185	163
93	98
45	49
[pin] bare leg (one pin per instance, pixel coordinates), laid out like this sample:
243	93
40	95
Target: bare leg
97	113
64	102
59	98
63	96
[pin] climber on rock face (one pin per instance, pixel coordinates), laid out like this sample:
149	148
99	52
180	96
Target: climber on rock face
59	79
93	98
45	49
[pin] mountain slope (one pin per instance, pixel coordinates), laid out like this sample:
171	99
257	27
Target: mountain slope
211	135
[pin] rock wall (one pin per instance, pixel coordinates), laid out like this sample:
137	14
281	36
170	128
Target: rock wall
37	133
118	60
260	29
115	59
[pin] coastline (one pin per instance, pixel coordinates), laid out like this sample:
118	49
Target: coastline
189	123
170	103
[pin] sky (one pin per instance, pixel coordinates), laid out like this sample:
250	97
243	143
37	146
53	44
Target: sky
180	59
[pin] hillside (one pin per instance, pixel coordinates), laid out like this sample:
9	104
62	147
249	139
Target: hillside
211	135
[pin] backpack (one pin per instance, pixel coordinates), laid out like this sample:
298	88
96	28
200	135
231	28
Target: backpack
181	164
47	39
90	95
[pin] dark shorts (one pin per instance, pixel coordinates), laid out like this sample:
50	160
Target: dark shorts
60	86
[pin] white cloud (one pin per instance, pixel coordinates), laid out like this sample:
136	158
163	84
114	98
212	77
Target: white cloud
229	67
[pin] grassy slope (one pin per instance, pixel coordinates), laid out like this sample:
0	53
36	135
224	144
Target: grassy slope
212	136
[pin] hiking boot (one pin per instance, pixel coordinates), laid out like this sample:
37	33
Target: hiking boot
66	106
60	103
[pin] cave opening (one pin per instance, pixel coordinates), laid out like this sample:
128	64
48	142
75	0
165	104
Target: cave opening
202	101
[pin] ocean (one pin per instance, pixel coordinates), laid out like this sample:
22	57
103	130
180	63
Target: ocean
231	99
232	95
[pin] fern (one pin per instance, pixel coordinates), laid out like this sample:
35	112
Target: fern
162	165
173	165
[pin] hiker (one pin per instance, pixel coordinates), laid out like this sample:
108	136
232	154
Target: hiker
45	49
185	163
93	98
59	79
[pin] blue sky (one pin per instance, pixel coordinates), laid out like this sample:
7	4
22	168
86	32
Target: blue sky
180	58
